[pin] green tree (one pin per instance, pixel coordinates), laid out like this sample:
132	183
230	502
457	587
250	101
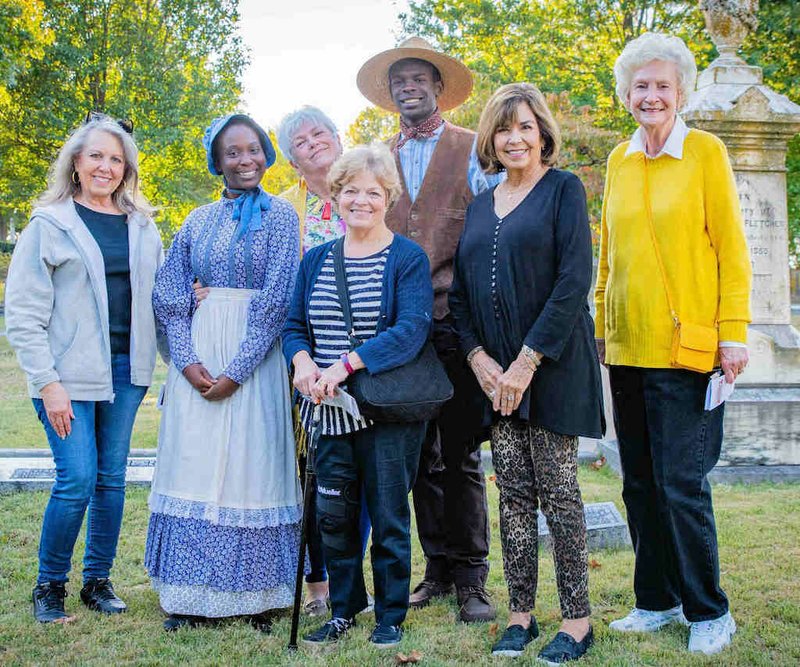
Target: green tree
169	65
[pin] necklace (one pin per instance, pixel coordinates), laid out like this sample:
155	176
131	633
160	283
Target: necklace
511	196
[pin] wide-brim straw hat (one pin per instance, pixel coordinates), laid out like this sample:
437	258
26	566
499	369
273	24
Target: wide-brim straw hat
373	77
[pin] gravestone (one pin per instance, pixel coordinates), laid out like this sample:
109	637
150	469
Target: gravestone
762	418
605	528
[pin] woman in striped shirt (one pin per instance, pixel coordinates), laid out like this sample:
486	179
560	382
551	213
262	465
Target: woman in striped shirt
391	296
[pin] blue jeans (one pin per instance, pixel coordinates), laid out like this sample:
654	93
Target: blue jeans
380	462
667	445
90	471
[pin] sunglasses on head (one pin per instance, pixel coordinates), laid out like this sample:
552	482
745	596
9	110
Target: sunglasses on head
124	123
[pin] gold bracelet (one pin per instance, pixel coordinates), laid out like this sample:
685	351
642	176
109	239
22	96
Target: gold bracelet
471	354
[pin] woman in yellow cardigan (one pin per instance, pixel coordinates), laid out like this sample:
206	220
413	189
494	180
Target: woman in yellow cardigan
673	291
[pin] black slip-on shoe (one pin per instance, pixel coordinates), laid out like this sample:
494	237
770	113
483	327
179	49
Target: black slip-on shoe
515	639
48	602
564	648
99	595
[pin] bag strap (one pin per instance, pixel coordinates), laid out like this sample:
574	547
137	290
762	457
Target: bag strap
652	228
341	290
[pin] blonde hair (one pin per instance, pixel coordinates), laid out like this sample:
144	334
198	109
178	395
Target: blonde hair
375	159
645	49
501	111
60	185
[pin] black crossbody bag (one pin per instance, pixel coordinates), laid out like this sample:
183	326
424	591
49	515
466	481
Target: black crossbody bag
413	392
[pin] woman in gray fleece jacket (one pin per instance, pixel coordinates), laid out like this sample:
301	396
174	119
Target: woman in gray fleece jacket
79	315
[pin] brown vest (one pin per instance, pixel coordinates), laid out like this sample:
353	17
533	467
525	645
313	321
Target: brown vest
436	217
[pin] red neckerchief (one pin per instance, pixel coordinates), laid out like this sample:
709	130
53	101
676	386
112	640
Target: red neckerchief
424	130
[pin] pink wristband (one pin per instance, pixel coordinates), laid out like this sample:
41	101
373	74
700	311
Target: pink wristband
345	359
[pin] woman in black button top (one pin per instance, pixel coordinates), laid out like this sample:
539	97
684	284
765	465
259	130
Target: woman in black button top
79	314
522	273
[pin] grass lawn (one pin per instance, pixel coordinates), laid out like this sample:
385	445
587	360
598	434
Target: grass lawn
759	530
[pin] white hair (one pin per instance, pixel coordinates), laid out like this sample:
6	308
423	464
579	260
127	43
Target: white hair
294	120
652	46
60	185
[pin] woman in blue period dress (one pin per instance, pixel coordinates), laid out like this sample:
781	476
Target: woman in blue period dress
225	526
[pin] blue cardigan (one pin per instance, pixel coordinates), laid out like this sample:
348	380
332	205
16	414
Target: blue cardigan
406	306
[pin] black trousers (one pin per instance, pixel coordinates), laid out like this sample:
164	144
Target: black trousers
450	492
668	444
380	462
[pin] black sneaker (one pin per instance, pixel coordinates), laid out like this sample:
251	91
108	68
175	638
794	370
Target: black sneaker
331	632
386	636
98	595
564	648
48	602
515	639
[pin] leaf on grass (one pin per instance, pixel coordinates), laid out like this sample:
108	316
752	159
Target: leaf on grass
595	564
493	630
403	659
599	463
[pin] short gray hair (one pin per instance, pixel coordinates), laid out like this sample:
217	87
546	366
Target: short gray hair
294	120
60	186
652	46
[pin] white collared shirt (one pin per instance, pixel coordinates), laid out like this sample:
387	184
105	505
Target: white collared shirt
674	148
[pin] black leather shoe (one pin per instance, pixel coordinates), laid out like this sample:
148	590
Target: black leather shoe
48	603
475	605
98	595
177	621
564	648
262	622
426	591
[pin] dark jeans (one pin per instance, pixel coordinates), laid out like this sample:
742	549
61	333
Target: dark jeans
450	493
668	444
316	558
90	471
380	461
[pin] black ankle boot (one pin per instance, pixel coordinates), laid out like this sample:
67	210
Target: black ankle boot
48	602
98	594
177	621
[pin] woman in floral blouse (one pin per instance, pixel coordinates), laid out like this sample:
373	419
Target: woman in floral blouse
224	532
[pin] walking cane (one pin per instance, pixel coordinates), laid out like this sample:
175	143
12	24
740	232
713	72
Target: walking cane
311	453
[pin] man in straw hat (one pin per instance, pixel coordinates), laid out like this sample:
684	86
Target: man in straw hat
440	174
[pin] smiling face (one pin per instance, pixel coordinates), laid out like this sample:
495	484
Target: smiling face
240	156
518	145
414	87
314	149
654	95
100	165
362	202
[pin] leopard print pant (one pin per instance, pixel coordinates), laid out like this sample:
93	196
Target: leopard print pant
536	466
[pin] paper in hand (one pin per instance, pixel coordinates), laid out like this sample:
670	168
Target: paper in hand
344	401
718	391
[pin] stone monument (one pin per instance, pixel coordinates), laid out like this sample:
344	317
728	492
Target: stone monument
762	419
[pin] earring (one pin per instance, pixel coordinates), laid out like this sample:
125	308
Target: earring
75	178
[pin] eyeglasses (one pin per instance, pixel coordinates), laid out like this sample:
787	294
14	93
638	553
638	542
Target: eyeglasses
124	123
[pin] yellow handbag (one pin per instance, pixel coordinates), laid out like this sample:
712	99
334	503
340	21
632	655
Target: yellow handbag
694	346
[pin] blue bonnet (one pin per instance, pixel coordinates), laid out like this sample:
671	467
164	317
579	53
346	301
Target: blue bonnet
219	124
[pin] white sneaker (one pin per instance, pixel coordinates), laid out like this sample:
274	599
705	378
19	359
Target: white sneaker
711	637
643	620
370	605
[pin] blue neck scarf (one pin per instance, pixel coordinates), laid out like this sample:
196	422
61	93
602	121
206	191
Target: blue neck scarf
248	209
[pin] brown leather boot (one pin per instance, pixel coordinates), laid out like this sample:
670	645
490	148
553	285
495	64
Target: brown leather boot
475	605
426	591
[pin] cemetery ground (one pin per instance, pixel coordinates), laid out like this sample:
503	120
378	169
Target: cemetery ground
759	534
